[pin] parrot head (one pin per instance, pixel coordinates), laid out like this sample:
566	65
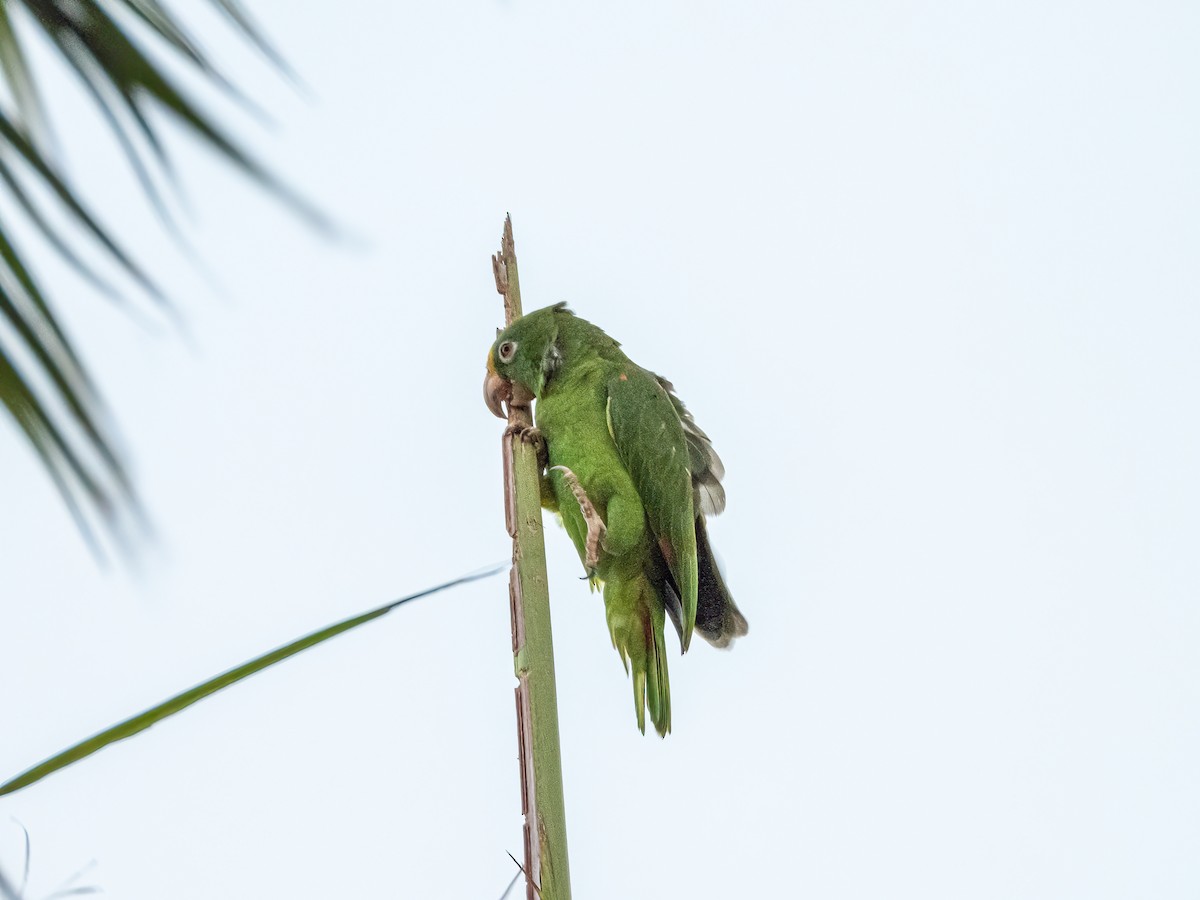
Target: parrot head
523	358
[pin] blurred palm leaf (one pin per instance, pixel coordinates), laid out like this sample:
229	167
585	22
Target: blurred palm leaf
44	386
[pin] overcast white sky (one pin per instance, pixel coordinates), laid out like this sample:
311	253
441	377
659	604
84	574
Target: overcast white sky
926	273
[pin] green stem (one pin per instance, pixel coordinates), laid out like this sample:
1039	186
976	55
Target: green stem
546	870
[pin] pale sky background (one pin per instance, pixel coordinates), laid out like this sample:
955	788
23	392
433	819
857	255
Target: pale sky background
926	272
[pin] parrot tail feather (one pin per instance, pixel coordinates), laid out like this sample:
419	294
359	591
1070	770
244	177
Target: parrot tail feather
635	622
718	620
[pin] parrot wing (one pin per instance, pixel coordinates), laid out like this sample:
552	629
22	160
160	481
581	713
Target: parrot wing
706	467
651	440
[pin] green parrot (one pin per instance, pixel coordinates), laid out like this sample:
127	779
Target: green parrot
632	477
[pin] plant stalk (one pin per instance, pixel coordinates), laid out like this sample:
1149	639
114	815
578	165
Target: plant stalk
547	875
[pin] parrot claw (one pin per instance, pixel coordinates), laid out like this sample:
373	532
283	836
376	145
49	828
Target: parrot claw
529	434
595	525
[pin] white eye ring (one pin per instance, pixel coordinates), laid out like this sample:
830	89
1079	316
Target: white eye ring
507	351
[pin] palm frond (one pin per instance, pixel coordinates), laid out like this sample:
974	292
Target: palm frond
135	724
44	385
19	78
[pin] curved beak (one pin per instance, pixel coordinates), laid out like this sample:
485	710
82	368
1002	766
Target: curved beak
497	390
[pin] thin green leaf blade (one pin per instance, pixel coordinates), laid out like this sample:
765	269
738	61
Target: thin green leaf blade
180	702
20	80
238	16
13	137
67	471
36	328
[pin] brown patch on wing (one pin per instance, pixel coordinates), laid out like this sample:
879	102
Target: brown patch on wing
668	551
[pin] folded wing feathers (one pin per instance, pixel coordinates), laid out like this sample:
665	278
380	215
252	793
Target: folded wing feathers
706	467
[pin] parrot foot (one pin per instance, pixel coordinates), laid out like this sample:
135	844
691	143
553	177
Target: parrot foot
595	525
529	434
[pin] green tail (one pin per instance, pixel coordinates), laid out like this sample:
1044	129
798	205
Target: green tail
635	620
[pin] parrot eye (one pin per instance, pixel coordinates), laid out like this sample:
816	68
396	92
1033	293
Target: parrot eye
507	351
